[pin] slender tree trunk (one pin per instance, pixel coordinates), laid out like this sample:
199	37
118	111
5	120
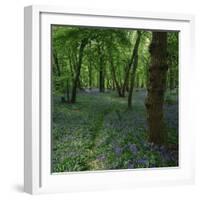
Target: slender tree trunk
127	86
136	82
79	83
101	79
71	68
56	63
142	84
156	88
133	68
108	83
90	74
113	85
55	60
101	71
115	82
130	94
126	78
68	91
146	74
78	70
171	79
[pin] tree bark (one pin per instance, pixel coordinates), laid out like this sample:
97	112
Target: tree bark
126	78
79	86
78	70
90	74
101	71
56	63
156	88
71	68
130	94
115	82
171	78
67	91
133	68
113	85
101	79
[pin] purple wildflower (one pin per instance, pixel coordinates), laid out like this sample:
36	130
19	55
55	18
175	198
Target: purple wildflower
118	150
130	166
143	161
133	148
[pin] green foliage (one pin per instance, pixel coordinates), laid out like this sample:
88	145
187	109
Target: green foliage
66	41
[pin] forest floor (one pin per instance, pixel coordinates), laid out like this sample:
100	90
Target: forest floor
99	132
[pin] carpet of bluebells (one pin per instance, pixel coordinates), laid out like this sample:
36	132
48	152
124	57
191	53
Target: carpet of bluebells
100	133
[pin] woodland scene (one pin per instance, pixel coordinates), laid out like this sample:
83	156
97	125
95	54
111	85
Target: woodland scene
114	98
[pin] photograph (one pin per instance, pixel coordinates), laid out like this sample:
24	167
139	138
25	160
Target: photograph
114	98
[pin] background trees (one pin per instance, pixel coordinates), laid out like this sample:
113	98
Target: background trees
119	60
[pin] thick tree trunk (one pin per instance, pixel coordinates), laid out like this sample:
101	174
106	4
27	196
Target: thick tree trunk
156	88
78	70
133	68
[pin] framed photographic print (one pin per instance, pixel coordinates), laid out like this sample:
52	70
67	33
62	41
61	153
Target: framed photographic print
106	99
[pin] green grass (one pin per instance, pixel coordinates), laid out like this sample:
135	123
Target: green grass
99	132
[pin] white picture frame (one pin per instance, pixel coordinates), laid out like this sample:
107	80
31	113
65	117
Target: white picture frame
37	139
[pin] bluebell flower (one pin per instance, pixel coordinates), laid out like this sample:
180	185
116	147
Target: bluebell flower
143	161
130	166
133	148
118	150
